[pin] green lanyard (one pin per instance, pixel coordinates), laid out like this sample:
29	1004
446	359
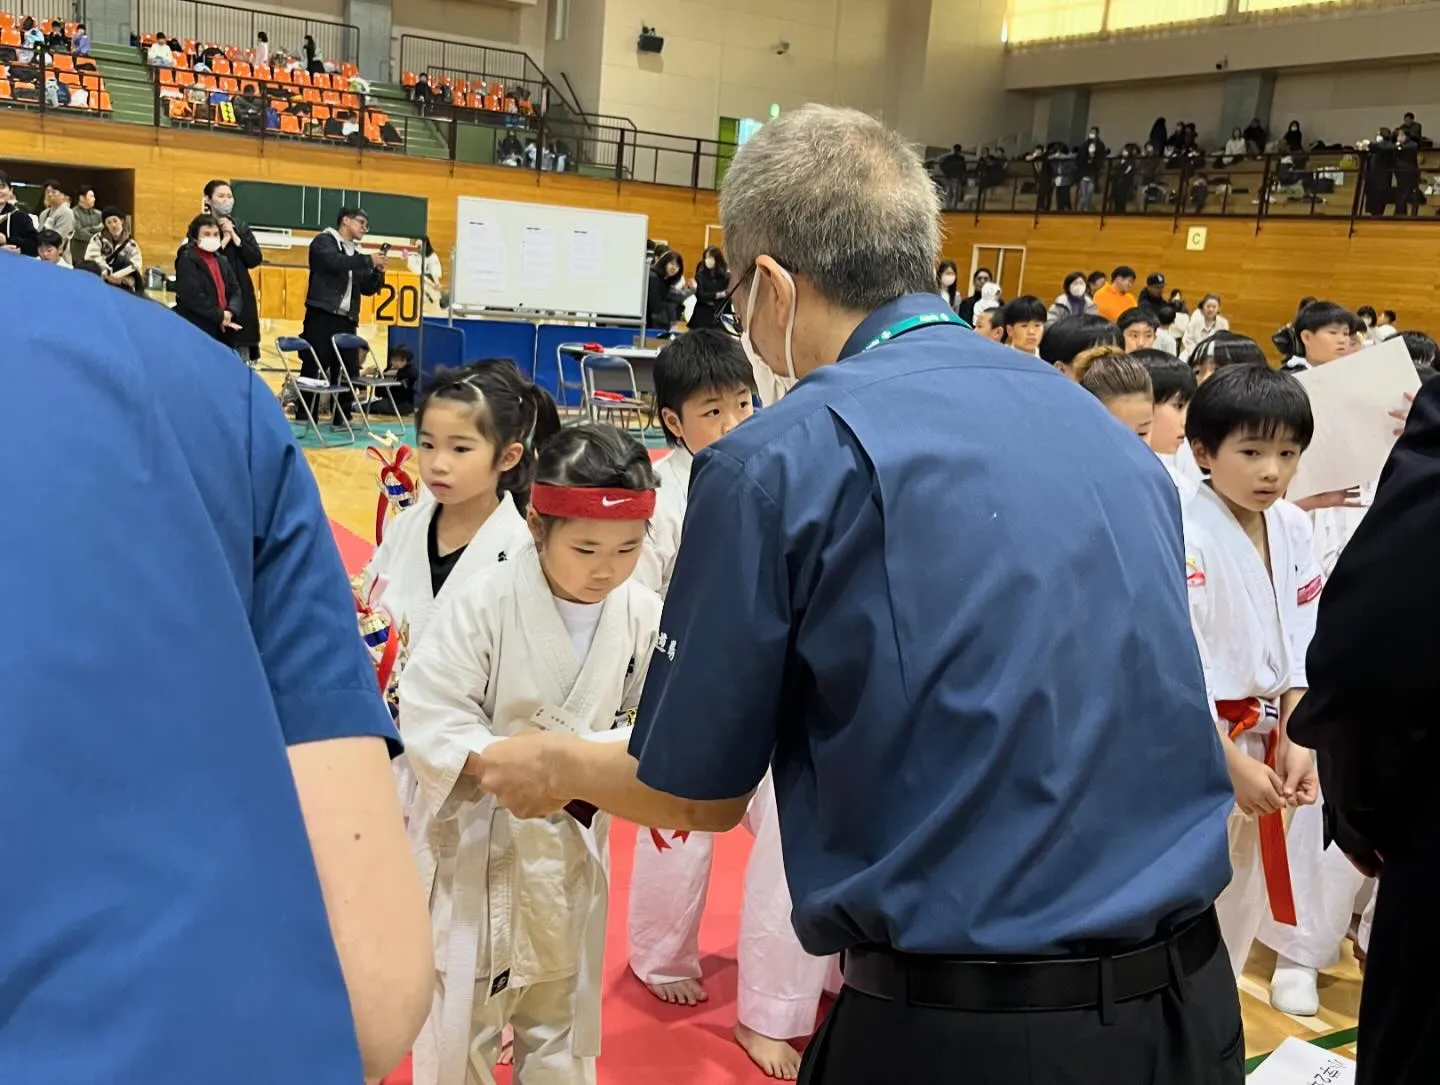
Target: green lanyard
909	324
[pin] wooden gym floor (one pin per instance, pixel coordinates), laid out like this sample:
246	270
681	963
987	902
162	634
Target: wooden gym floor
347	480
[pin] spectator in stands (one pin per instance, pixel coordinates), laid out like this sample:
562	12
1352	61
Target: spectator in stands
114	254
31	36
966	308
423	94
1411	127
1067	339
80	45
511	151
340	275
712	283
1137	328
87	223
262	48
1234	148
1158	133
1115	298
17	228
58	214
952	168
1063	167
1153	296
1256	138
1379	172
241	252
1407	174
1090	161
314	63
1204	322
160	54
50	247
1074	299
1294	139
56	39
206	292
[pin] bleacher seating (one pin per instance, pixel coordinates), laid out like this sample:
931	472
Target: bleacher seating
23	84
234	92
480	94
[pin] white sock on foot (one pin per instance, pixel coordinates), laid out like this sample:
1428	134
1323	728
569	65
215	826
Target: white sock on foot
1293	988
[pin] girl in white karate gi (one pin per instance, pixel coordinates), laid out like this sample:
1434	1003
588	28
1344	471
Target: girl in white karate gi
556	637
476	428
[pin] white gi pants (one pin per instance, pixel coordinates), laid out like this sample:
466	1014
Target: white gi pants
779	983
1367	920
1243	903
1326	886
539	1015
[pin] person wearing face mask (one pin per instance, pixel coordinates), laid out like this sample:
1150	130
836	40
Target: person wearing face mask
1073	300
945	276
205	287
1091	159
712	280
966	308
923	763
241	252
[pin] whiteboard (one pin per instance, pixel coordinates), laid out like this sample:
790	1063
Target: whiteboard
543	257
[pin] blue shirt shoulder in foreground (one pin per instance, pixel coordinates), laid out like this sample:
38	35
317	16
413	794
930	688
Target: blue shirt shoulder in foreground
941	589
177	616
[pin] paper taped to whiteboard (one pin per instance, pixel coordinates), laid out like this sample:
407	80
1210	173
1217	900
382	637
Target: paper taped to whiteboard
483	265
538	257
1352	398
587	253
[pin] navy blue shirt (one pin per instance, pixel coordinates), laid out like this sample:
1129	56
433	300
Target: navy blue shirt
942	591
176	615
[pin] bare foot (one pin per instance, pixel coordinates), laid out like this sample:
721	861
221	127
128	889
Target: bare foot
507	1048
680	992
776	1057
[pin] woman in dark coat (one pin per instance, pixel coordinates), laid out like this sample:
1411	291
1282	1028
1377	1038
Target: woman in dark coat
712	281
662	306
241	251
205	287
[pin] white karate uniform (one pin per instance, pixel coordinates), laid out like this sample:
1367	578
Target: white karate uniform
1185	482
1326	883
402	560
1253	630
517	906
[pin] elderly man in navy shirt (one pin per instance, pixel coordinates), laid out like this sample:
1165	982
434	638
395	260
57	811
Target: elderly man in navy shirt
941	592
206	877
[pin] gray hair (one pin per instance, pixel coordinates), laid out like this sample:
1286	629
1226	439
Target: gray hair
835	196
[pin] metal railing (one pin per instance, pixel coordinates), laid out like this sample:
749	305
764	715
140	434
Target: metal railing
1333	184
221	24
460	59
29	88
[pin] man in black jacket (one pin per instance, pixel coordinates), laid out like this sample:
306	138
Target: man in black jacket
340	275
1371	716
17	227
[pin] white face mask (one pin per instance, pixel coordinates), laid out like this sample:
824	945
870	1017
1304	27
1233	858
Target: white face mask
789	326
710	262
1077	288
209	244
948	279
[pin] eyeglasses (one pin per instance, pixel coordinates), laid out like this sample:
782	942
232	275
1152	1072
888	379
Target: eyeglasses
725	314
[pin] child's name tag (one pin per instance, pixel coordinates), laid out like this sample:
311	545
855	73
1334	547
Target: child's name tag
549	717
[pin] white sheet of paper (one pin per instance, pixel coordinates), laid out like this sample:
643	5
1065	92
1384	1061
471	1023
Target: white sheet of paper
482	256
587	253
1352	399
1295	1062
539	257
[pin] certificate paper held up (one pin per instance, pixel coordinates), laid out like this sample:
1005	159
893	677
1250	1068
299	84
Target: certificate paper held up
1352	399
1295	1062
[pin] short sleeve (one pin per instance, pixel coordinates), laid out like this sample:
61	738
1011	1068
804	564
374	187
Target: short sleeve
303	612
707	719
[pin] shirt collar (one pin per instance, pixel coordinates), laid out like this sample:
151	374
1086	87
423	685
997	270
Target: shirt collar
891	313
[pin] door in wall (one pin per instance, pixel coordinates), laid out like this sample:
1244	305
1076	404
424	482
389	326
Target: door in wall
1006	264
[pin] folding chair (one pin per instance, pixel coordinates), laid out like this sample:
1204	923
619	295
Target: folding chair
344	341
609	374
301	387
577	350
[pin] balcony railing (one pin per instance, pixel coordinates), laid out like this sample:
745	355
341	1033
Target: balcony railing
206	22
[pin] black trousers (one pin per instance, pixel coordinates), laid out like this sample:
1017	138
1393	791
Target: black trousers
1399	1007
1186	1035
318	328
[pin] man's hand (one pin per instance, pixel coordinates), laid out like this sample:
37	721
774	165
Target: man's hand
520	772
1334	499
378	260
1300	782
1400	414
1258	790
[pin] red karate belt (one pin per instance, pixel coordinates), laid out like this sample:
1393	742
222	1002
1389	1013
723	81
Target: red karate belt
1242	716
661	844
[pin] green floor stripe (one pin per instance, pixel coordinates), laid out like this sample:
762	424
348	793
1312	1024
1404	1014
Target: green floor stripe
1328	1042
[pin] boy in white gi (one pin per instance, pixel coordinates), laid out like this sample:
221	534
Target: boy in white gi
1253	583
704	387
557	637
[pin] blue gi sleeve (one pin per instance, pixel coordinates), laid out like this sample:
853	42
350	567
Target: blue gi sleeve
707	719
302	612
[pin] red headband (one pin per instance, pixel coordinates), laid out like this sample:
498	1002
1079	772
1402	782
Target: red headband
592	502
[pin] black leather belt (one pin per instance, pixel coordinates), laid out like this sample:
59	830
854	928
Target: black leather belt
1013	985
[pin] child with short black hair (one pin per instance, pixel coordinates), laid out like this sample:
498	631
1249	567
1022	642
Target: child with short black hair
1137	326
1324	331
1024	322
1253	581
1172	385
558	637
1067	339
1222	349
